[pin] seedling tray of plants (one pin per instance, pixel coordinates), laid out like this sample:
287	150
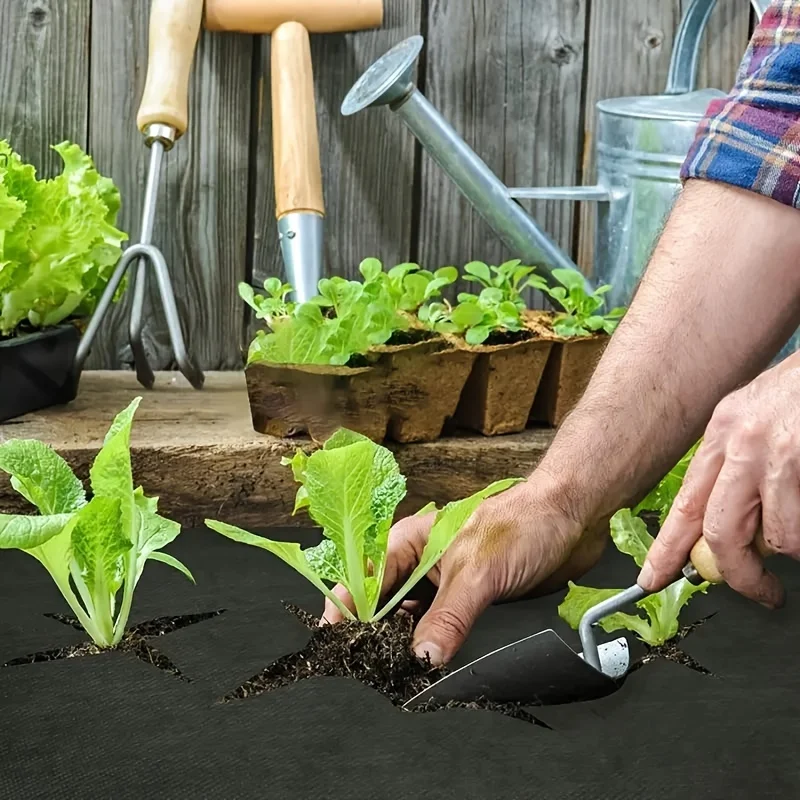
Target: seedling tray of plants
389	357
224	685
59	246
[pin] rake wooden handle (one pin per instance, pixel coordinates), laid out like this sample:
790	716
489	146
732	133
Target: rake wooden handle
318	16
298	173
174	30
705	563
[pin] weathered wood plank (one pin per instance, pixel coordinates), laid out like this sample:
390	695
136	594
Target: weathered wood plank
44	77
629	51
367	160
202	458
507	75
202	208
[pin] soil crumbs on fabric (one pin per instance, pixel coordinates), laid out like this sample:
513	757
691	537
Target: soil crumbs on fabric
377	654
672	652
134	641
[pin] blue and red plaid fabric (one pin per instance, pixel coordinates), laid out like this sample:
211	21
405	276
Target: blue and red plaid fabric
751	138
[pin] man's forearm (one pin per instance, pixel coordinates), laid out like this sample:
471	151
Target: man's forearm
719	298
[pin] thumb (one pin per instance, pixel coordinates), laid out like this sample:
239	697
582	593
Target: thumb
445	627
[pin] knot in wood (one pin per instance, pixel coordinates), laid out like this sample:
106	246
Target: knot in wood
654	39
563	54
38	16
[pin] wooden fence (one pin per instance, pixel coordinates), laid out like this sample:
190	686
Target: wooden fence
517	78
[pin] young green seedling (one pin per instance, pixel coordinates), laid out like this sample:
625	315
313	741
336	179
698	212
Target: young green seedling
93	549
407	286
631	537
351	488
272	306
580	316
476	317
510	279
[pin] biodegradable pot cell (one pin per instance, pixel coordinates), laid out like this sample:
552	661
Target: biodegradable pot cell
566	376
36	370
501	388
73	728
289	400
425	381
569	369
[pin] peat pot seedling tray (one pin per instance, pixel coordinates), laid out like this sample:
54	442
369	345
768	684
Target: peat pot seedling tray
151	721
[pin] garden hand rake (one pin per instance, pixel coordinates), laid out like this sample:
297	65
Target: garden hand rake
163	118
543	669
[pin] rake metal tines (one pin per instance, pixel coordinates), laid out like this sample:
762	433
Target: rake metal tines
140	256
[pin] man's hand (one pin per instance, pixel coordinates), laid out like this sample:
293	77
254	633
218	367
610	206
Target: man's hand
744	477
510	546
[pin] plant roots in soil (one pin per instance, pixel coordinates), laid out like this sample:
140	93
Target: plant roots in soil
134	641
377	654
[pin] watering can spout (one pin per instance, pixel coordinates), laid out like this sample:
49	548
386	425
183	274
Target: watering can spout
389	82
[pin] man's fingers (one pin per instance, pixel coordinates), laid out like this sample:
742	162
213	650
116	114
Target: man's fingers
780	510
406	542
332	615
459	602
684	523
733	516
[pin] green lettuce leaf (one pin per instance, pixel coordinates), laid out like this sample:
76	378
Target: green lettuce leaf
41	476
664	493
58	240
580	599
25	533
288	552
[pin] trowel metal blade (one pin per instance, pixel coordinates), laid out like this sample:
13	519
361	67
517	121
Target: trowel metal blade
541	669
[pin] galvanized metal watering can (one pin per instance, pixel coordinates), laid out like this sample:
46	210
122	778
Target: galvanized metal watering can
641	144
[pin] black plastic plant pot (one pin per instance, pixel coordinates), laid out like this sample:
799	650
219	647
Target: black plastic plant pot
36	370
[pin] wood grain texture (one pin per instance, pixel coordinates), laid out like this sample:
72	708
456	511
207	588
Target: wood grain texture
44	77
367	160
629	52
204	459
201	223
507	75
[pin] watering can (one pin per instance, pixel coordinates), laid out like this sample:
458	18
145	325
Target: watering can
641	145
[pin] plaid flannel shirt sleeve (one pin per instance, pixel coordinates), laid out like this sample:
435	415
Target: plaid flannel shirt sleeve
751	138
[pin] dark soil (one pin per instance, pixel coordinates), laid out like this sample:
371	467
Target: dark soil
377	654
672	652
134	641
508	337
411	336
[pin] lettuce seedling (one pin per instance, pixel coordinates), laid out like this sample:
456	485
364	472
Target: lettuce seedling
631	537
476	317
510	279
351	488
580	316
272	306
407	286
93	549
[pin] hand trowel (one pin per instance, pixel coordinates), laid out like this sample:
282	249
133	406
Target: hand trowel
542	669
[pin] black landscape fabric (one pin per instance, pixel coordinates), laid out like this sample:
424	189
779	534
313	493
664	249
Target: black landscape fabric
113	725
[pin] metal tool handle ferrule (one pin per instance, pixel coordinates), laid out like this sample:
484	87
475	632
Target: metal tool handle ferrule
301	236
682	76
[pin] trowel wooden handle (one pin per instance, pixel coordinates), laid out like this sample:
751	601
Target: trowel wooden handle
706	565
174	29
298	173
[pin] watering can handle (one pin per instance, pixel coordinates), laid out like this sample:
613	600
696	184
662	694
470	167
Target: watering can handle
682	75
